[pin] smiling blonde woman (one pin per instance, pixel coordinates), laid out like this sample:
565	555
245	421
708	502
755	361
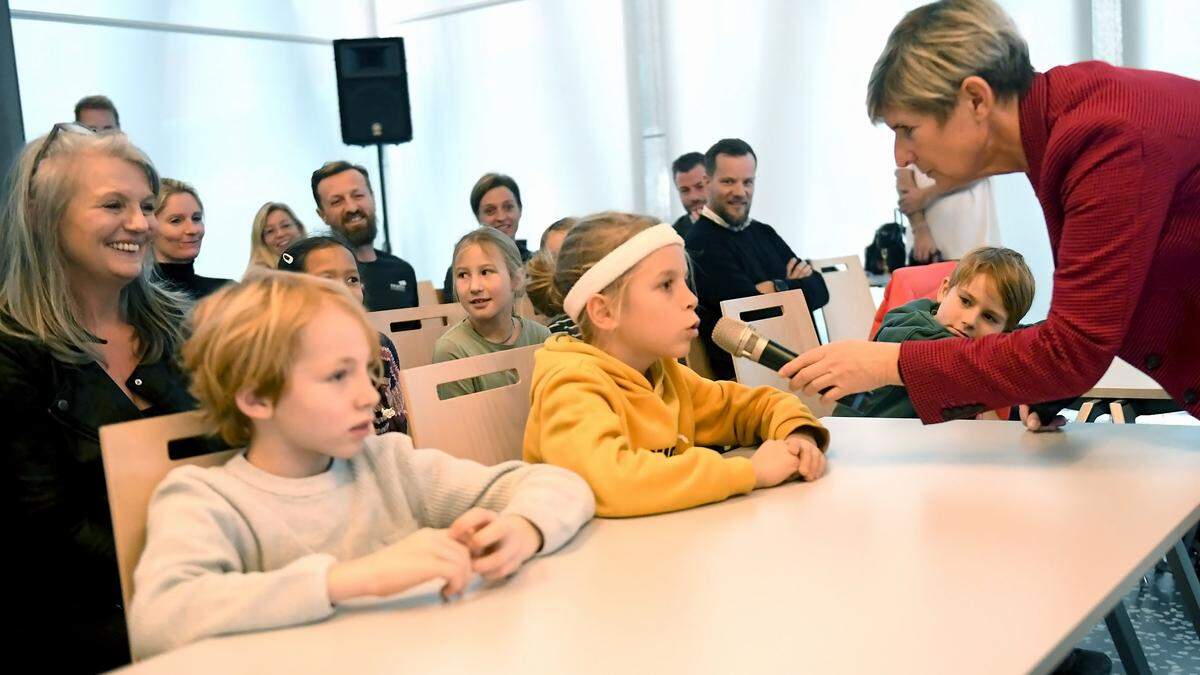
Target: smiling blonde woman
86	339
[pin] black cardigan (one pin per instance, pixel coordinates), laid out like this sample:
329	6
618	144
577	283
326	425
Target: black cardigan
61	540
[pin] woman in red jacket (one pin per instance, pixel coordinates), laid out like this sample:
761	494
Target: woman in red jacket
1113	155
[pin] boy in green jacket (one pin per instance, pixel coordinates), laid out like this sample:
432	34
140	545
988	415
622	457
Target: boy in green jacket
989	292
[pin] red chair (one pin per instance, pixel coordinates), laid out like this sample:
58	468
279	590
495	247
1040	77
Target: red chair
911	283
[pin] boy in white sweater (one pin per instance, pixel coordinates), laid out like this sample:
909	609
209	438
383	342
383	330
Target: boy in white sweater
318	510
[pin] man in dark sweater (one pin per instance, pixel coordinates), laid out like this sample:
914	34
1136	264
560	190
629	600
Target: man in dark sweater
691	179
736	257
346	203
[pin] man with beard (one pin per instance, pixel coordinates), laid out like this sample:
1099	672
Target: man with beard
734	256
691	179
347	205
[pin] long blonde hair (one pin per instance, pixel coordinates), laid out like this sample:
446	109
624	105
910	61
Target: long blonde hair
261	255
592	238
36	302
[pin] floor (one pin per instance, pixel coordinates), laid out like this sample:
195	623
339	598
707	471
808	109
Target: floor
1156	610
1166	635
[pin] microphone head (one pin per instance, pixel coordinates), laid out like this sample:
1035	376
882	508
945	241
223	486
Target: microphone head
733	336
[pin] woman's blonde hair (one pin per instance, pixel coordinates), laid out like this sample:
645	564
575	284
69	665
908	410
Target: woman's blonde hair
36	302
246	335
937	46
261	255
592	238
500	244
172	187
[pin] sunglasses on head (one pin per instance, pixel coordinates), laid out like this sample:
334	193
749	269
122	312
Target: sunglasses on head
69	127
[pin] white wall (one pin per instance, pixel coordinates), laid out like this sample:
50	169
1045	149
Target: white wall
536	89
539	89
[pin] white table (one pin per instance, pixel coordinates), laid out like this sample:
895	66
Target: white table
959	547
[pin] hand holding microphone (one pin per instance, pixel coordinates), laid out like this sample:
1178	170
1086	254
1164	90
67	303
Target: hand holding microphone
743	341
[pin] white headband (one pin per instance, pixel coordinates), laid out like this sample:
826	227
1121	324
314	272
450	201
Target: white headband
618	261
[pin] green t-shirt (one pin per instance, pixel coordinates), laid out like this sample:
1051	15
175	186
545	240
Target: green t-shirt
462	342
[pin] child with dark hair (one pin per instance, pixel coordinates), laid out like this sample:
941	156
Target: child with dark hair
331	257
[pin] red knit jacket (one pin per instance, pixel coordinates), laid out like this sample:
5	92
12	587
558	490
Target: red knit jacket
1114	157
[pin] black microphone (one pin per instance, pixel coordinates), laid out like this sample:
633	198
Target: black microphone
740	339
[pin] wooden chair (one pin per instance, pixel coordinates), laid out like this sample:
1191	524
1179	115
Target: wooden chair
486	426
137	456
415	329
790	324
427	294
851	309
524	309
697	360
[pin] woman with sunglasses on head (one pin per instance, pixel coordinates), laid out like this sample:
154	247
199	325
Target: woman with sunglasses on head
177	239
86	339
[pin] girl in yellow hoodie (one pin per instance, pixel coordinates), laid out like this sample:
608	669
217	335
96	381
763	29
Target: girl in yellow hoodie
617	408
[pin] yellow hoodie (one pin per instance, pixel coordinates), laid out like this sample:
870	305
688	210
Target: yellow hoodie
634	440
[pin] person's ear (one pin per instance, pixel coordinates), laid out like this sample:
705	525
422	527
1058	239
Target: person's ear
254	405
943	290
602	312
979	96
518	281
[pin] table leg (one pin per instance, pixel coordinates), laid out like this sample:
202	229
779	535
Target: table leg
1186	581
1085	411
1126	640
1122	412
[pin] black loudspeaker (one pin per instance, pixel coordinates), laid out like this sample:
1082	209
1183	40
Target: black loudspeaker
372	83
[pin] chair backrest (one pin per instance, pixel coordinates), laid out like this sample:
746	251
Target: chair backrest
786	321
911	283
697	359
427	294
137	456
524	308
851	309
415	329
486	426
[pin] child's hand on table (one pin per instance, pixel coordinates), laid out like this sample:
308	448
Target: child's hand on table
423	555
774	462
498	544
812	460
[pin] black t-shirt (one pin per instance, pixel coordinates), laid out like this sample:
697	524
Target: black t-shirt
388	282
